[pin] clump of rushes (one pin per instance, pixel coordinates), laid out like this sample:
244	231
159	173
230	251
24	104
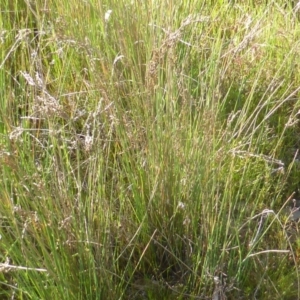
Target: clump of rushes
149	150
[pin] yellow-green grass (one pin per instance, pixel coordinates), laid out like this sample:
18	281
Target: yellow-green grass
148	149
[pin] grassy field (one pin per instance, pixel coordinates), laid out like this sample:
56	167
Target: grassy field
149	149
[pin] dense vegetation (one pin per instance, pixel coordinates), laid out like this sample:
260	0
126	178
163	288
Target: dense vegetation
149	149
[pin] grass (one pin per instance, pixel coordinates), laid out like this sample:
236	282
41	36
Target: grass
149	150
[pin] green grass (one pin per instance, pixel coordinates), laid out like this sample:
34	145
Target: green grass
149	153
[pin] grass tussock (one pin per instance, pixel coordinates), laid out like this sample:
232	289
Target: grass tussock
149	150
